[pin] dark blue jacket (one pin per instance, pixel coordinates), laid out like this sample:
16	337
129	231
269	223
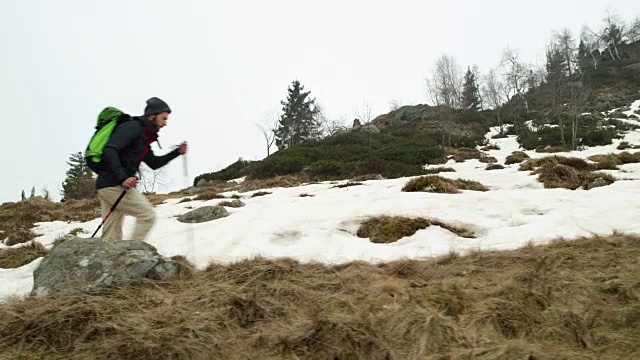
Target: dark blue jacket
129	145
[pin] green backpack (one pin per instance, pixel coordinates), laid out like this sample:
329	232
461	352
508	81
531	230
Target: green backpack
108	119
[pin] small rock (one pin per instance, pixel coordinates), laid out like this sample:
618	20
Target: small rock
599	182
248	187
203	214
236	203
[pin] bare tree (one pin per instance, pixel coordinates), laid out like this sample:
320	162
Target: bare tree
153	180
268	127
515	74
592	41
445	84
363	112
579	96
328	126
495	93
514	71
395	104
633	32
612	32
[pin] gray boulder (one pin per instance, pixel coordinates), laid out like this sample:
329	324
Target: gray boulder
625	108
235	203
94	265
617	115
203	214
599	182
605	102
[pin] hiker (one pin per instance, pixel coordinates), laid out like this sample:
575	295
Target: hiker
129	145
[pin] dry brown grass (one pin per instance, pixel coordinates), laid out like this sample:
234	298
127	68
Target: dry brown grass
209	195
365	177
551	149
462	154
625	145
564	176
306	195
260	193
563	172
516	157
490	147
439	169
576	163
17	219
388	229
488	159
347	184
231	204
494	167
438	184
278	181
566	300
11	258
611	161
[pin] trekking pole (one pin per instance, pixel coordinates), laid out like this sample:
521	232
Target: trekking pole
185	170
191	235
113	207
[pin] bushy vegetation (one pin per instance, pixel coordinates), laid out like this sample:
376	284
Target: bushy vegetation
349	154
236	170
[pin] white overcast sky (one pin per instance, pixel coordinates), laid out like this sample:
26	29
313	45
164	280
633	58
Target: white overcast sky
222	64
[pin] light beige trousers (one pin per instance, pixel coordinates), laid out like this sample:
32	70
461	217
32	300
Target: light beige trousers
133	204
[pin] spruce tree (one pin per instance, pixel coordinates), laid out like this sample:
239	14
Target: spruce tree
584	58
470	91
79	183
298	122
556	66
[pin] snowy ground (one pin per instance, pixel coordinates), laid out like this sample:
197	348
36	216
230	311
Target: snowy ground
322	228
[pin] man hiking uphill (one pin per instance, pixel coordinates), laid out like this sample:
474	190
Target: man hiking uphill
129	145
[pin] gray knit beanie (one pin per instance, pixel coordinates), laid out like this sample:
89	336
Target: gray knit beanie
155	106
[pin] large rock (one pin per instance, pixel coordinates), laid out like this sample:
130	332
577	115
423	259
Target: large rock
203	214
617	115
94	265
606	101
